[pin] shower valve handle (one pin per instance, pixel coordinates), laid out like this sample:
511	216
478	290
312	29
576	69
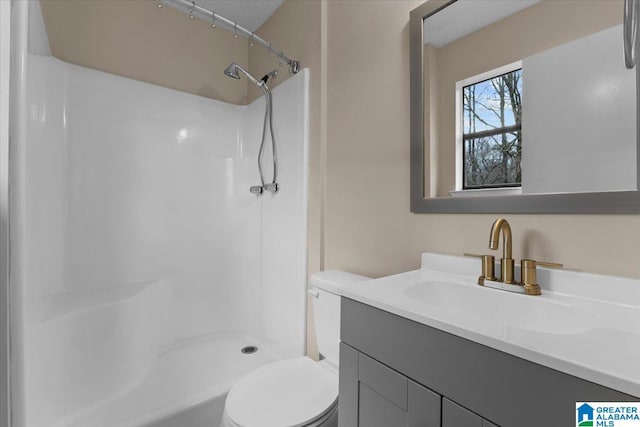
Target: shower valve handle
273	187
256	189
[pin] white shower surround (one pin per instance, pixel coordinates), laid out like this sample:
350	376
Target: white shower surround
144	262
5	56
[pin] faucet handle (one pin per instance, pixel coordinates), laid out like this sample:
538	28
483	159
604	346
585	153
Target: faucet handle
488	266
548	264
472	255
528	272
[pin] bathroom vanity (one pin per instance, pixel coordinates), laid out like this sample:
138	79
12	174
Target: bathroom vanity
397	372
432	348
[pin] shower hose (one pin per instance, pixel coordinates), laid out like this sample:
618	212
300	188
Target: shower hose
268	126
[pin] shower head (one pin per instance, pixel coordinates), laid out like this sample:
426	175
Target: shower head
233	71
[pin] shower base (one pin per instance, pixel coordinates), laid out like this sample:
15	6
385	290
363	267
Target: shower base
186	384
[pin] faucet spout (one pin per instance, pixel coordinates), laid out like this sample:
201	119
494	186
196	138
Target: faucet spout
501	226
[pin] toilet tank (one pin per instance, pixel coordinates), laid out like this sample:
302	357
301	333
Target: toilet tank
325	287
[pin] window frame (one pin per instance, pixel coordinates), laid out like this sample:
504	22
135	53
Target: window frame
459	125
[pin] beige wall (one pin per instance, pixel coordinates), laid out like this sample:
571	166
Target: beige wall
137	40
368	224
538	28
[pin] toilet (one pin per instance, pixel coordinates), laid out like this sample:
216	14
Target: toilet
297	392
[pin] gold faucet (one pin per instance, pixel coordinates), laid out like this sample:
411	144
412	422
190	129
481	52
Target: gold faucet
506	262
506	282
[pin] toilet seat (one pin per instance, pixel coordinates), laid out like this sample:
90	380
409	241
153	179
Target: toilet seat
329	419
291	393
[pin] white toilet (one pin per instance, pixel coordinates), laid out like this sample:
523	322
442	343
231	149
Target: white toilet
296	392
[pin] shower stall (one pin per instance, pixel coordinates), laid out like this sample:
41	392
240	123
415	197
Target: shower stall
140	264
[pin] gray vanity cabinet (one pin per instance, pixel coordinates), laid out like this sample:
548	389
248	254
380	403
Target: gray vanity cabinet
395	372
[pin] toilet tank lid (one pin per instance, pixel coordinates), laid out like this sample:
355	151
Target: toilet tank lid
333	280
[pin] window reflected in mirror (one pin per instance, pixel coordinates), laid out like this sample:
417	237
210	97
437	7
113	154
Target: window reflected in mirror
491	125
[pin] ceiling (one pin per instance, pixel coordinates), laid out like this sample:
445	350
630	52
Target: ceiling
250	14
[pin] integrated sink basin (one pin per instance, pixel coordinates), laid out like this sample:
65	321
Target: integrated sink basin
582	324
500	311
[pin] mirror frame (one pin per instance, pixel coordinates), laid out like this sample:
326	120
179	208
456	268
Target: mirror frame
611	202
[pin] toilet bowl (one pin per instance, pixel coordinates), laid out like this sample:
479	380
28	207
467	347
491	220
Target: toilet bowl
296	392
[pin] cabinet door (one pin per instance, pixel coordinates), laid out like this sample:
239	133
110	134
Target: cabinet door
454	415
373	395
424	407
376	410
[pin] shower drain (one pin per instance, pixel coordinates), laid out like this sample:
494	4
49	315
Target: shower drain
250	349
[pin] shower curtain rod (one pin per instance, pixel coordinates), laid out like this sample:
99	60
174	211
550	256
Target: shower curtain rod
195	10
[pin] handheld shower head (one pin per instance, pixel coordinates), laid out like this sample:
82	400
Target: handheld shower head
233	71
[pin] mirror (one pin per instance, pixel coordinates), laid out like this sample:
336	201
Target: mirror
522	106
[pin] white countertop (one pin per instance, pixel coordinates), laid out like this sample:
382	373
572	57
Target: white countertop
583	324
